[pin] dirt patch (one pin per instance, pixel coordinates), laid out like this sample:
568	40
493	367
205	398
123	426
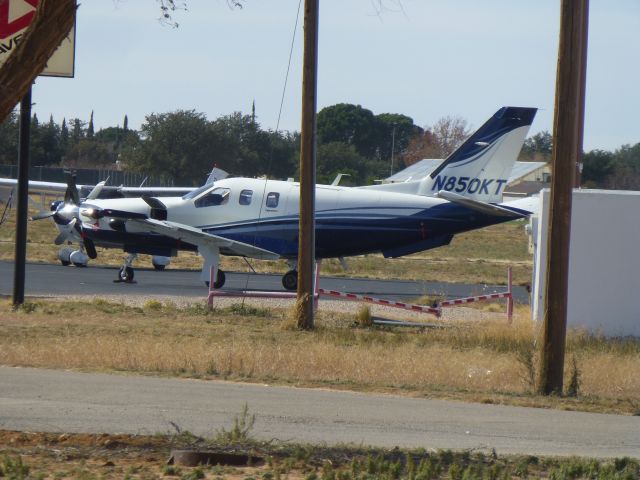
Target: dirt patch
65	455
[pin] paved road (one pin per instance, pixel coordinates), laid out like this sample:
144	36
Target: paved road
57	401
53	279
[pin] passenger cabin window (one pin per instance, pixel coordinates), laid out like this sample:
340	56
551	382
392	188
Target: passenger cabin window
218	196
245	197
272	199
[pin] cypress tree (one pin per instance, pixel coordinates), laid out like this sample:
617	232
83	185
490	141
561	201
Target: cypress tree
90	127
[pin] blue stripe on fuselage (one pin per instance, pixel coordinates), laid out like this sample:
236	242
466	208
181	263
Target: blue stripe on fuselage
336	236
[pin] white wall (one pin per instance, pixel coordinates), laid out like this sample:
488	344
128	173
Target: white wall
604	262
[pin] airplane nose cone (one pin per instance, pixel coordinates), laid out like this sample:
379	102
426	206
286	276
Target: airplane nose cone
65	212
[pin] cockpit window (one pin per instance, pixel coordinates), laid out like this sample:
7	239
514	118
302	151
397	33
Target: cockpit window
272	200
217	196
245	197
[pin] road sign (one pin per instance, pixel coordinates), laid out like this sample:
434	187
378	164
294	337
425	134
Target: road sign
15	17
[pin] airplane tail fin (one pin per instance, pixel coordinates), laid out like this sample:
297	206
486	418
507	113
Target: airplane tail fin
480	167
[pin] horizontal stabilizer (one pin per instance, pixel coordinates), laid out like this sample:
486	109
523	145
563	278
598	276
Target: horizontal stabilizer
486	208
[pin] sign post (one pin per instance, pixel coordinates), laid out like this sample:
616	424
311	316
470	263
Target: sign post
15	18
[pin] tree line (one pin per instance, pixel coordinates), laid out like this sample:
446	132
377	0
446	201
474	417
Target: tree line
182	146
616	170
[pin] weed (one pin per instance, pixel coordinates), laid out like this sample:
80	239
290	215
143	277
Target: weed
14	469
195	474
526	357
635	406
171	471
26	307
574	379
240	432
248	310
152	305
363	316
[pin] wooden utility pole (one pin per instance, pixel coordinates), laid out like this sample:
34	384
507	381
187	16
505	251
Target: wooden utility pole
306	236
567	147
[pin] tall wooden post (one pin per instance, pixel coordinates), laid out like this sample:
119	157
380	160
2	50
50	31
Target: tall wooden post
567	145
306	236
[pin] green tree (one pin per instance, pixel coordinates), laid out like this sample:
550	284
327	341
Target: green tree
9	140
338	157
45	144
626	171
77	130
176	146
64	136
597	167
353	125
87	153
245	149
90	129
538	147
396	130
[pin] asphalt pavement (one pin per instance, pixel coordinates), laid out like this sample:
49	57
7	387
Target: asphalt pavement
62	401
54	279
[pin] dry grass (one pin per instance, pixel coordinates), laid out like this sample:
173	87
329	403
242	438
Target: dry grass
480	362
475	257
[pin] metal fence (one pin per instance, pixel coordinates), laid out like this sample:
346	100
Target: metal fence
86	176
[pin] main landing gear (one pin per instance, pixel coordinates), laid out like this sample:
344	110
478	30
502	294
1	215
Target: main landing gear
290	280
220	279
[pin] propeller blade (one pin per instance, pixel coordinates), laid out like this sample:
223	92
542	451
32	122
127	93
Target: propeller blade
93	194
41	215
60	238
65	231
71	195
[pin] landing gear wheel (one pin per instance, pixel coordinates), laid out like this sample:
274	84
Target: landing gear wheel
65	263
220	279
158	268
125	274
290	280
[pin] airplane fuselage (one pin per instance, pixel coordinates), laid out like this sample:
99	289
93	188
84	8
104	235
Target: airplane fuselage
264	214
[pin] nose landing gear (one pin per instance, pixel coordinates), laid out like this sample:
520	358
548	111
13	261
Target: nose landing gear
126	274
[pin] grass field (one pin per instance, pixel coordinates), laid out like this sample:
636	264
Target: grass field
481	256
490	361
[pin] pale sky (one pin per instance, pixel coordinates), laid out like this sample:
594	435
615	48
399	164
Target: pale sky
428	59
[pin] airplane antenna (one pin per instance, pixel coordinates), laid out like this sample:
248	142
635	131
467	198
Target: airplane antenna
284	89
286	77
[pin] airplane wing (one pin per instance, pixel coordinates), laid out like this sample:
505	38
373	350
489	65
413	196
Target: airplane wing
487	208
36	186
198	237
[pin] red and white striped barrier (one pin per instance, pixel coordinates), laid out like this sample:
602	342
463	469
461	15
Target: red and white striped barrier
479	298
379	301
508	295
437	310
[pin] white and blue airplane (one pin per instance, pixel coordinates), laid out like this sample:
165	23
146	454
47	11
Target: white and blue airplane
258	218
